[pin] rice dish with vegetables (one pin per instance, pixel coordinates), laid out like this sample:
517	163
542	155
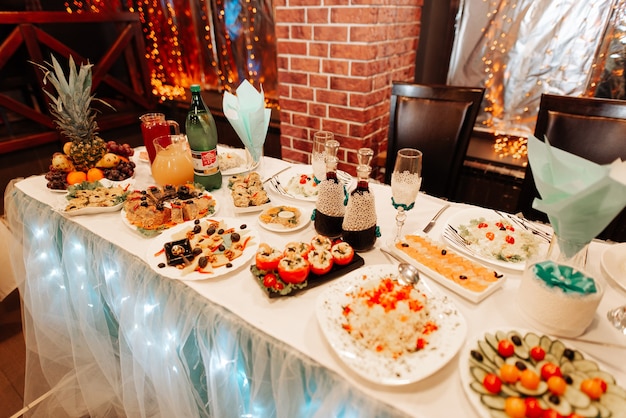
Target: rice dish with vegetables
499	239
302	185
389	318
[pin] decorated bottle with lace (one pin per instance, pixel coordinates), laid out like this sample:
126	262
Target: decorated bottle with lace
359	222
330	207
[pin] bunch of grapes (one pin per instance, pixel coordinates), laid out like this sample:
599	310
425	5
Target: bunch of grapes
123	171
56	179
123	150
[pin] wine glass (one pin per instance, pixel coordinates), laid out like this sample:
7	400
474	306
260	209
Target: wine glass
617	317
406	180
319	153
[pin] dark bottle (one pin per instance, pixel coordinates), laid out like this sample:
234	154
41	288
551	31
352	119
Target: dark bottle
359	223
202	136
330	208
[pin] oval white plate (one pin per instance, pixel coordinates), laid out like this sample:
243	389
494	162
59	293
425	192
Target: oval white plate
154	255
408	368
613	263
297	171
91	210
464	217
305	218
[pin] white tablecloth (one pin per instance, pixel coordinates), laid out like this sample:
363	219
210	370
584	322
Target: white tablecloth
292	320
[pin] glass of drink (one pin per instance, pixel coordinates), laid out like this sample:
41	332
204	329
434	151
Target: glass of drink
154	125
173	163
406	180
319	153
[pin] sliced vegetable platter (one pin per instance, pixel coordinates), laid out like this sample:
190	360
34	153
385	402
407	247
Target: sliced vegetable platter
510	373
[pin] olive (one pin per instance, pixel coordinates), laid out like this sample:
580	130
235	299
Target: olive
220	231
516	340
404	244
221	247
444	252
243	226
568	379
463	277
210	230
142	198
554	399
520	366
229	265
161	265
197	221
502	228
496	275
144	204
235	237
197	229
202	262
160	207
477	355
568	354
196	251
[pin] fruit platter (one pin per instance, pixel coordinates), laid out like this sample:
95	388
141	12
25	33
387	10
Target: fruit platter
514	373
302	265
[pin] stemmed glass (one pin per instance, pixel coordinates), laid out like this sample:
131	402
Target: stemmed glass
617	317
406	180
319	153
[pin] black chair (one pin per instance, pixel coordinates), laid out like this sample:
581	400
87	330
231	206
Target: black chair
438	120
592	128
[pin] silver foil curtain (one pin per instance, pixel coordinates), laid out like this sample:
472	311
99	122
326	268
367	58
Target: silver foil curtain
521	49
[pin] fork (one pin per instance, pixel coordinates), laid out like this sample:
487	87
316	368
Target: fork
526	225
278	187
453	235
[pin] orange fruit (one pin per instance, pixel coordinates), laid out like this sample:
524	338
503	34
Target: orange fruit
95	174
75	177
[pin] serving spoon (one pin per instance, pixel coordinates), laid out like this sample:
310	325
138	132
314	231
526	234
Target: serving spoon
408	273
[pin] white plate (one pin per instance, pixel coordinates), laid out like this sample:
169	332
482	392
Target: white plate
141	155
442	280
409	368
464	217
472	344
90	210
613	263
305	218
296	172
154	255
240	152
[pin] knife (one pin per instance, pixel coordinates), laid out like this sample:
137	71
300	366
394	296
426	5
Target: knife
434	219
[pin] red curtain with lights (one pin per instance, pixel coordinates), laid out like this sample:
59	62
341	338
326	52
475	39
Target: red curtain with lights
216	43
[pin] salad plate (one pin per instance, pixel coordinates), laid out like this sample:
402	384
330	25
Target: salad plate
613	263
234	161
491	238
481	356
297	182
284	219
157	259
409	367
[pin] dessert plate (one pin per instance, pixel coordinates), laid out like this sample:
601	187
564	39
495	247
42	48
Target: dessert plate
156	259
297	182
613	263
304	219
442	346
491	251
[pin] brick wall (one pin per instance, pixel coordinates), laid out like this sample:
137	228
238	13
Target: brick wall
336	61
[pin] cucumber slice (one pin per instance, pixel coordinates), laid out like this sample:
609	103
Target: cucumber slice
550	357
531	339
488	351
577	398
494	413
585	365
499	361
478	374
616	390
492	340
522	350
541	389
567	367
513	360
508	390
563	407
479	388
486	365
545	342
603	411
606	376
556	349
500	335
577	378
493	402
614	403
589	412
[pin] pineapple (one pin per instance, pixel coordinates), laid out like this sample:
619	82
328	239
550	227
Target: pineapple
74	116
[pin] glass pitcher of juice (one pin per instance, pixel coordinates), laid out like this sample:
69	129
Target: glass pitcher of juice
154	125
172	163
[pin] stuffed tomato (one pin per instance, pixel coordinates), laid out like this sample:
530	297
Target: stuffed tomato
293	269
342	253
321	261
299	248
321	242
267	258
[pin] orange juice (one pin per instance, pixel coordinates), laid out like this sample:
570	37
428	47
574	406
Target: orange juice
173	165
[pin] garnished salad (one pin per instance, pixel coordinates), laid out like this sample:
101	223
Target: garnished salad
302	185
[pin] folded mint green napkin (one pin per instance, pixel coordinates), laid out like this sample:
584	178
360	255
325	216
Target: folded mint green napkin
248	116
580	197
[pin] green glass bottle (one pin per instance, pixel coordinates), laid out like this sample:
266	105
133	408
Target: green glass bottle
202	136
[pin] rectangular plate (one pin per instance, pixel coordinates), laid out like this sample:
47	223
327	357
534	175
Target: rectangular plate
314	280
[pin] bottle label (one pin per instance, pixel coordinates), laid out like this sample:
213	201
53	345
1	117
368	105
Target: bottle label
205	163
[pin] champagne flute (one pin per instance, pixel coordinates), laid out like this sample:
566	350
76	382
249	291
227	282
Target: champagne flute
617	317
319	153
406	180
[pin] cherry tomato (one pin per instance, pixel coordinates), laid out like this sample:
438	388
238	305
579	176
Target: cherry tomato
506	348
490	236
509	239
500	225
510	228
515	407
557	385
269	280
550	369
303	179
482	225
602	383
492	383
550	413
509	373
533	408
591	388
279	286
537	353
529	379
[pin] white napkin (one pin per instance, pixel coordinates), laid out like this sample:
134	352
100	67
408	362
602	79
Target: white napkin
248	116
